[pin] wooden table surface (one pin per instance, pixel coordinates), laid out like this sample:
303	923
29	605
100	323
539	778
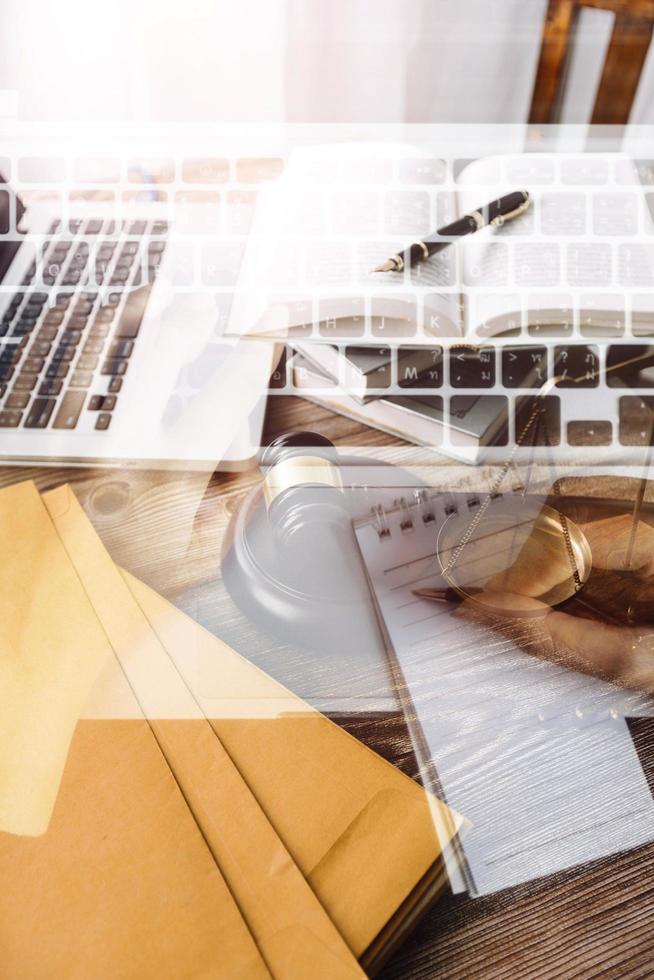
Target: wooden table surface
168	527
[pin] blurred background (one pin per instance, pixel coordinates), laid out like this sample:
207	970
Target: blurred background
294	60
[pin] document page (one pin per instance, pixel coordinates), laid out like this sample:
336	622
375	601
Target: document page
539	757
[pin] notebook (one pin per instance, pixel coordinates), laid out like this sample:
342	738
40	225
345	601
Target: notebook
421	419
537	756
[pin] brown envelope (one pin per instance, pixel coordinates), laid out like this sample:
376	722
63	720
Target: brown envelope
296	936
362	832
119	881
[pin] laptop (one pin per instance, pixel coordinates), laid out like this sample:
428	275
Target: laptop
107	356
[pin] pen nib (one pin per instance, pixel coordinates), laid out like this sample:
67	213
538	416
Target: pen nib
387	266
438	594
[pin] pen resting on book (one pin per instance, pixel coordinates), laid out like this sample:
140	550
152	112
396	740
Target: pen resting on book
495	213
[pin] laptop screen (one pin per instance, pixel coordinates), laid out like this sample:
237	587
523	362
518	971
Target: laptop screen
8	246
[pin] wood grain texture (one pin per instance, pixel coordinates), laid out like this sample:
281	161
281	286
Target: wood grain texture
628	46
168	528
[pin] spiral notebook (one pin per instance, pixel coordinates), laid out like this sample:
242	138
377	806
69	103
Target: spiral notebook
538	757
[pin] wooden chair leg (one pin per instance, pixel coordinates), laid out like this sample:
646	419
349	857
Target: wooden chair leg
624	62
556	33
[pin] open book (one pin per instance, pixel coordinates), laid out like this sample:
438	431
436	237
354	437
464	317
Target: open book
320	232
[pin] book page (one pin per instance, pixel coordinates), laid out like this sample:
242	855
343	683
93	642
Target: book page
317	237
558	257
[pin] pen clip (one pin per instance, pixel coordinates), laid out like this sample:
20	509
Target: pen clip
501	218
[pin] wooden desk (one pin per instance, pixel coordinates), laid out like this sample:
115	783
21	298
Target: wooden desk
167	529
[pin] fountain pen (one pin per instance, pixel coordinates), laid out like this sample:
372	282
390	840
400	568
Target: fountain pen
496	213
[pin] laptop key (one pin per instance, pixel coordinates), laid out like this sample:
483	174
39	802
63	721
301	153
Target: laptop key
115	385
25	382
537	420
589	433
57	369
53	318
33	365
10	419
87	362
120	348
51	387
81	379
17	400
472	367
114	366
69	410
637	420
93	345
630	366
39	414
420	368
46	334
524	367
104	315
64	352
40	348
103	420
576	366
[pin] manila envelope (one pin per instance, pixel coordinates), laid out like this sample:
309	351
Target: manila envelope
363	834
293	931
104	870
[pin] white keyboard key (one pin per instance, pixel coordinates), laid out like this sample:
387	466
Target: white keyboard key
601	314
328	263
636	265
439	270
486	264
407	213
304	215
589	264
282	311
206	170
366	171
628	171
342	318
528	169
562	213
615	214
642	314
160	170
197	212
97	170
487	310
445	209
239	211
584	170
257	170
272	269
42	170
537	264
354	213
419	170
492	173
404	319
550	314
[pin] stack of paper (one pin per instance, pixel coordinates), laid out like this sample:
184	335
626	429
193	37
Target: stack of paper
145	833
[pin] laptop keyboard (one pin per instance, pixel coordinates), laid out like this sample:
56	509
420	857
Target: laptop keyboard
68	334
66	351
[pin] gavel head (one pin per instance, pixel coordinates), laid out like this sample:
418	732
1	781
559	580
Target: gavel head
302	489
291	563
